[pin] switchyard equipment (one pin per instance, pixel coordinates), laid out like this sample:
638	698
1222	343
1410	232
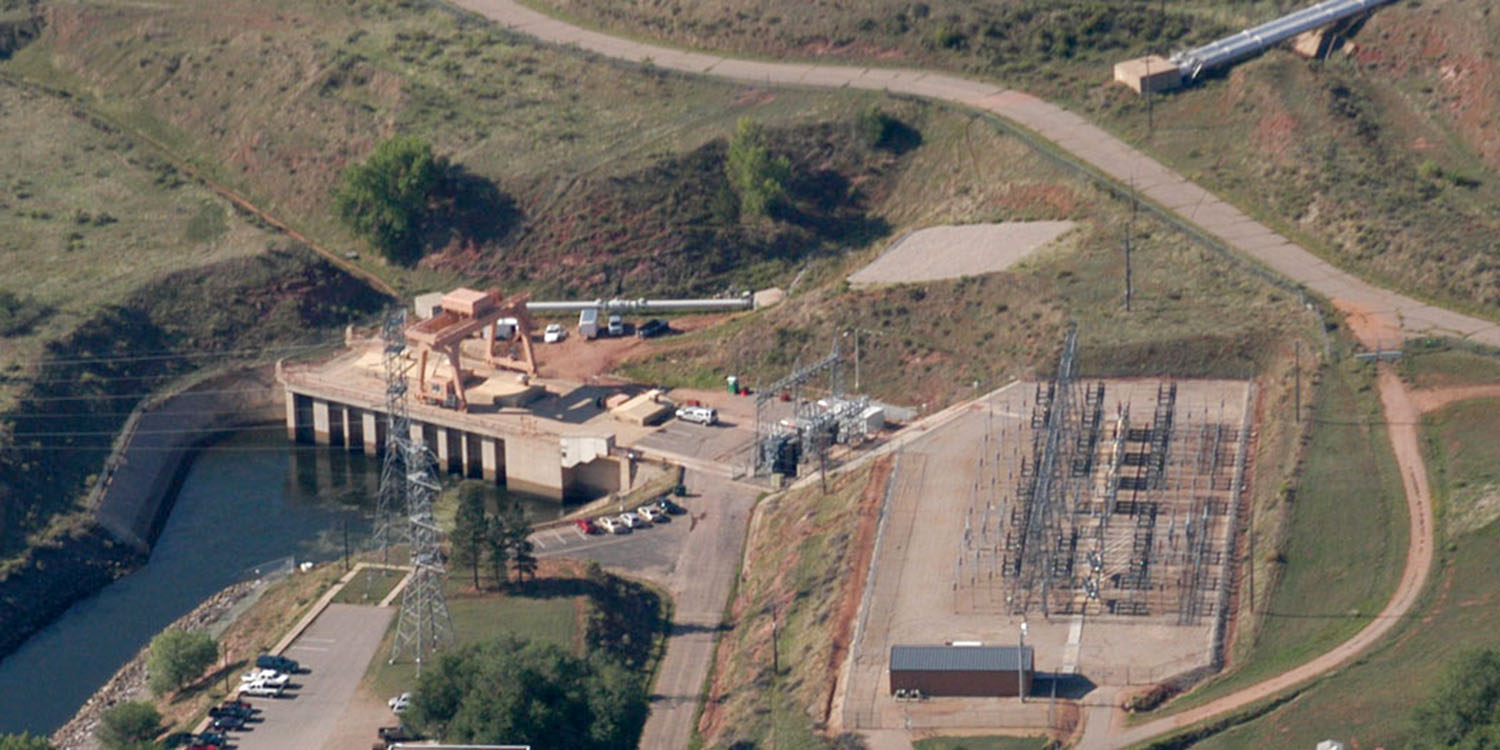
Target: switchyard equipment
781	444
1104	514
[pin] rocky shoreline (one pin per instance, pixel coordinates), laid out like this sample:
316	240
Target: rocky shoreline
130	681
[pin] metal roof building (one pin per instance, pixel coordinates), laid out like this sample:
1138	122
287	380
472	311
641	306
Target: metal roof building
996	671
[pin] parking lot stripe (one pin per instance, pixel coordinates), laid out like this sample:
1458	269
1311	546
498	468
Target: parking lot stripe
309	648
536	540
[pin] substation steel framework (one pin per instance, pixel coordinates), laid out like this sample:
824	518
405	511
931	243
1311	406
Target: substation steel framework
391	502
1044	557
408	483
769	433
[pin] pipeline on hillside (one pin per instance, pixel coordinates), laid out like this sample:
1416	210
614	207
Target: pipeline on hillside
1195	62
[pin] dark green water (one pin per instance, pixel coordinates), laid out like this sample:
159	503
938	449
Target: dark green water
247	500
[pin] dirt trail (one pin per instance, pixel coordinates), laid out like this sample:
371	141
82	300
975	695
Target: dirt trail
1403	419
1381	317
1432	399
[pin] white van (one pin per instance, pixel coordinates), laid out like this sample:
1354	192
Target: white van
588	323
700	414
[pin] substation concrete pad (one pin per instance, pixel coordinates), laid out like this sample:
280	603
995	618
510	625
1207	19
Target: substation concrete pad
1155	551
950	252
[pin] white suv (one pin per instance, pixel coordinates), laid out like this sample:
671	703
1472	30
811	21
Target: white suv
699	414
261	689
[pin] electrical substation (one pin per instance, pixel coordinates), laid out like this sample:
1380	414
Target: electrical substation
1094	521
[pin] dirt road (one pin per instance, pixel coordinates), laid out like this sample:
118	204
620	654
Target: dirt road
1404	421
1391	314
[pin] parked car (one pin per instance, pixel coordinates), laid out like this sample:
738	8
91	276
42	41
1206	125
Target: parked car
613	526
399	703
217	711
212	738
228	723
667	506
652	513
616	326
268	676
632	520
261	690
701	414
586	526
554	333
204	746
652	328
278	663
397	734
243	705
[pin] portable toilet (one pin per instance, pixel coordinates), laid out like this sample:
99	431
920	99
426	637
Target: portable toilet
588	323
733	382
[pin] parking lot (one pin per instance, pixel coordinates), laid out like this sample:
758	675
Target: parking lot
650	551
334	653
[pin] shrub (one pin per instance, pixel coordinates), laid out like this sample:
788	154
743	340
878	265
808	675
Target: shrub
128	725
178	656
384	199
757	177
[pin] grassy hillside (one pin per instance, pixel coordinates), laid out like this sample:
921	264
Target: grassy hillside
110	252
1195	314
604	176
1369	704
1383	158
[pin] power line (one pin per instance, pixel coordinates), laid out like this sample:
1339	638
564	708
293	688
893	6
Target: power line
168	355
108	396
185	431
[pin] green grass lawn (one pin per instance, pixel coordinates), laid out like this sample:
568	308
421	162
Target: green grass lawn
1345	544
1434	363
479	617
982	743
369	587
1369	703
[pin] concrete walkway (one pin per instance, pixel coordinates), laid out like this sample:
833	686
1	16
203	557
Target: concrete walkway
1381	318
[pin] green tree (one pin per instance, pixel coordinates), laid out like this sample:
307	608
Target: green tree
128	725
385	198
508	532
471	527
511	691
525	561
23	741
178	656
1464	711
757	177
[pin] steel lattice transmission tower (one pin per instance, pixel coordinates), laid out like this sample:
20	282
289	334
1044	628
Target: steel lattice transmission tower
390	507
424	624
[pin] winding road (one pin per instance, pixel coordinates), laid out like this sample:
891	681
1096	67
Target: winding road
1379	317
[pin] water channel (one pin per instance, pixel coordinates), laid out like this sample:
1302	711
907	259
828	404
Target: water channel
246	500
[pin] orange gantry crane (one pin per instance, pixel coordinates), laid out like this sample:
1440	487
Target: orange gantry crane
465	312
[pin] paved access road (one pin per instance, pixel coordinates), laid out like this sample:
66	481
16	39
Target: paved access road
1380	317
1399	313
334	652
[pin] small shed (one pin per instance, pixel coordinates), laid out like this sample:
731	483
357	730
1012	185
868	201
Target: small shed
984	671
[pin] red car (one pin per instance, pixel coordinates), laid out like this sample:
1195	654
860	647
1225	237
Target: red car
586	526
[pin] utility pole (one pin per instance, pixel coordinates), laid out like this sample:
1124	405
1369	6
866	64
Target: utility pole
1129	233
1021	665
1147	92
1298	379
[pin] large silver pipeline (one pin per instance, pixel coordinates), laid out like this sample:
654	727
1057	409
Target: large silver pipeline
1195	62
645	305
